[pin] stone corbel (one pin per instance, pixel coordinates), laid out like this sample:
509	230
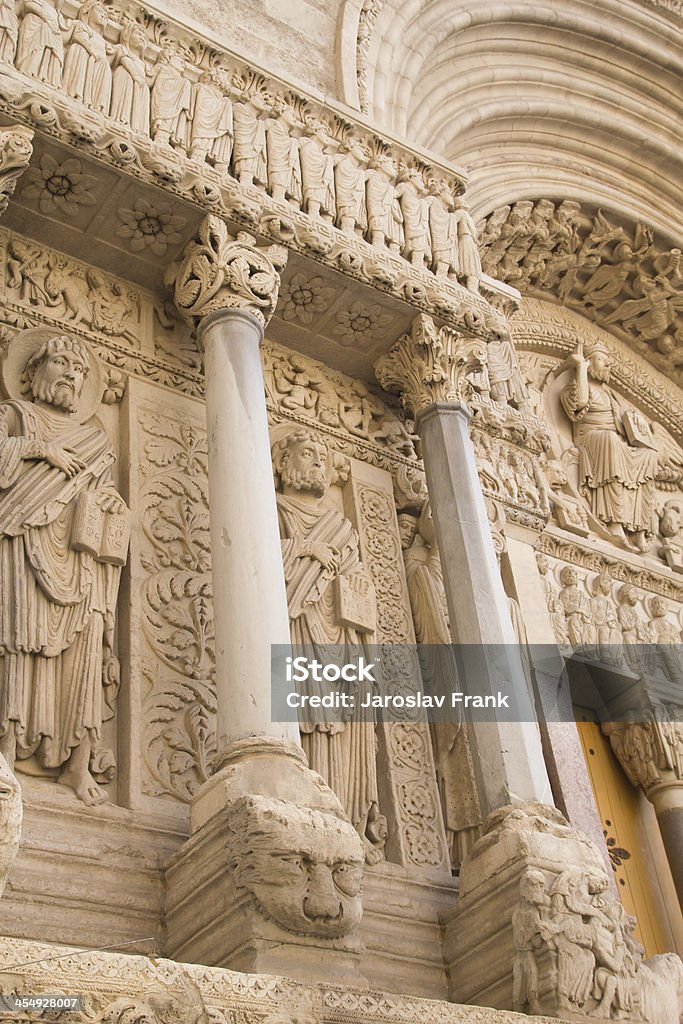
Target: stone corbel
16	150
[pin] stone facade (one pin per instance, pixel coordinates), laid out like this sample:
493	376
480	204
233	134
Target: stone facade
276	366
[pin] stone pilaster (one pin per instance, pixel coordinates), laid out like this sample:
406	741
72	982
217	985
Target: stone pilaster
272	875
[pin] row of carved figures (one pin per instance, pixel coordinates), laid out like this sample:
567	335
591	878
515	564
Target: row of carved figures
274	142
615	620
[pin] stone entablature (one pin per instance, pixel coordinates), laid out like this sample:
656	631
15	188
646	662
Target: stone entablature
176	113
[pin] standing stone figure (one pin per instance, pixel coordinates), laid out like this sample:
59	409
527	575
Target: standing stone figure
87	75
320	556
211	122
452	755
171	97
40	50
385	220
130	91
442	229
63	538
468	247
616	472
9	31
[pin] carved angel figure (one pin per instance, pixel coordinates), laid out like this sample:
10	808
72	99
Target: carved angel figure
87	75
319	548
63	537
40	50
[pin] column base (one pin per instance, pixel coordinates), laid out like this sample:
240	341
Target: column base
538	930
270	880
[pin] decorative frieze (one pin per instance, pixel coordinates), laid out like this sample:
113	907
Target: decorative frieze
618	276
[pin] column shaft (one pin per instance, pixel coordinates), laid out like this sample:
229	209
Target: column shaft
250	601
667	799
509	758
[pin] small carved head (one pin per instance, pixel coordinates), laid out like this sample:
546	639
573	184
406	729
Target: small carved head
569	576
303	867
599	364
603	584
658	608
628	595
300	462
56	372
532	886
671	518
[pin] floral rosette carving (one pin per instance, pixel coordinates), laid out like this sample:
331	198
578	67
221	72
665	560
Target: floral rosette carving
220	271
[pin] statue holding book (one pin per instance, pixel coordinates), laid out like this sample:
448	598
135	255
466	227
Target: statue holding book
64	533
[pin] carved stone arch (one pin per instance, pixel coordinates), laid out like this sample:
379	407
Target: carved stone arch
449	75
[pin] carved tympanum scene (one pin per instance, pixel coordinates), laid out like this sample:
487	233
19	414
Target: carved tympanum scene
264	376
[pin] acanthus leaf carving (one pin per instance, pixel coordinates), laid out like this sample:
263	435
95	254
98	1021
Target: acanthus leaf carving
430	365
15	152
220	272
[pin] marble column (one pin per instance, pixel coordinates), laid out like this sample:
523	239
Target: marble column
428	368
262	883
230	312
667	800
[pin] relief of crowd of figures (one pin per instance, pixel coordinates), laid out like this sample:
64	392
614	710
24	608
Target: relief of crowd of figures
618	276
189	100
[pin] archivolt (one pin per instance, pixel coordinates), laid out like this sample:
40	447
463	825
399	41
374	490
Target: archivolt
531	95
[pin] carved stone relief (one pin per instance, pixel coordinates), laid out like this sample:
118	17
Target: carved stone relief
570	928
197	106
609	468
450	742
321	557
618	276
11	813
65	538
171	595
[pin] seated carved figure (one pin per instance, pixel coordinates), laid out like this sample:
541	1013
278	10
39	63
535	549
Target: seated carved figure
63	538
616	471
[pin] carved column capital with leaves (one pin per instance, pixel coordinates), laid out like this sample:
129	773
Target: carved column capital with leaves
219	271
649	749
16	149
429	366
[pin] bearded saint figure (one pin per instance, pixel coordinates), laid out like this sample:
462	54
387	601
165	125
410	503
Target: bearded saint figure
320	549
63	538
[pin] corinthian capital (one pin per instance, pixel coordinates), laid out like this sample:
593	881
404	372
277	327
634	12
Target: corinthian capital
649	747
219	271
430	365
15	152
